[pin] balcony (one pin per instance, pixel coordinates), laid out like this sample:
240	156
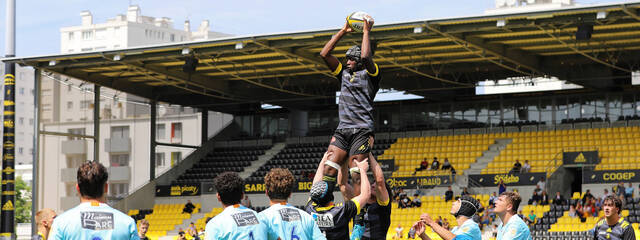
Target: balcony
68	174
74	147
117	145
119	173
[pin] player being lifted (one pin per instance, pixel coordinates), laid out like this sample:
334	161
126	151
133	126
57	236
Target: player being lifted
359	83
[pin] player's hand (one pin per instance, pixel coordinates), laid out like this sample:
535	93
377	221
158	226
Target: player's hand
419	227
427	219
368	23
363	166
328	156
346	28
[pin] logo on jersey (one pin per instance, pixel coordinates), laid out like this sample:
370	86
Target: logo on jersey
97	220
289	215
324	220
245	219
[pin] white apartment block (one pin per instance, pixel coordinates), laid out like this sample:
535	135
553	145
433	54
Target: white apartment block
128	30
67	107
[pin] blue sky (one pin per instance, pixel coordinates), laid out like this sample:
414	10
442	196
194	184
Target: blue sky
38	22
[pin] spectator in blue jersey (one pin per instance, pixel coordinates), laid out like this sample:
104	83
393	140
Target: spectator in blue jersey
501	187
512	226
463	209
628	192
283	220
235	221
93	219
333	219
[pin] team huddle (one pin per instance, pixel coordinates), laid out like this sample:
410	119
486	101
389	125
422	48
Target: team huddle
346	164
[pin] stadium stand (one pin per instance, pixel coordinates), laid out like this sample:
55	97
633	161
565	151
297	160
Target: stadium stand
556	223
618	148
303	158
461	150
164	217
219	161
435	206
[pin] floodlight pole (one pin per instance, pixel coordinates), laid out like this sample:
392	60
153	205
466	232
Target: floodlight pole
7	201
35	179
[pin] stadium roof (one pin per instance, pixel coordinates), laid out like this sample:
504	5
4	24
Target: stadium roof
436	58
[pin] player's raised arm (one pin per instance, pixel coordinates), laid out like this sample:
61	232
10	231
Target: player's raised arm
367	54
382	193
332	62
345	188
320	170
365	187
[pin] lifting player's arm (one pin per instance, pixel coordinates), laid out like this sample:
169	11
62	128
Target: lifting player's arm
345	188
382	193
441	231
332	62
365	187
320	170
366	54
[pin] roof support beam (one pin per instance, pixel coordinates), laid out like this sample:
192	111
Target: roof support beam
258	83
416	71
297	57
472	45
630	13
578	51
191	83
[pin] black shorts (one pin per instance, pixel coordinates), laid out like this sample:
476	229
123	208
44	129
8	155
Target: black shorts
353	140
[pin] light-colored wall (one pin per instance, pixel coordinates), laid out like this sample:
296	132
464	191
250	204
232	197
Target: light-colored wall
52	160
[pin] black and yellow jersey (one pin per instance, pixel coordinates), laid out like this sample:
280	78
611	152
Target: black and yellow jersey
334	219
622	230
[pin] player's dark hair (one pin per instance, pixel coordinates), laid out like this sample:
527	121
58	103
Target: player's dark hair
92	177
279	183
615	200
230	187
514	198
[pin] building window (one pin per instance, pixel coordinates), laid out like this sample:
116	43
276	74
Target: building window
86	49
69	88
87	35
21	120
31	121
176	132
21	91
69	105
173	37
176	157
71	37
160	129
160	160
77	131
119	160
84	104
20	151
120	132
119	190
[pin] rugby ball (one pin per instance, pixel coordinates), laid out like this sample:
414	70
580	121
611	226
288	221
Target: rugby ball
356	21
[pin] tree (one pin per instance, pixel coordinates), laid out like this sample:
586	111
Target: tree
23	201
